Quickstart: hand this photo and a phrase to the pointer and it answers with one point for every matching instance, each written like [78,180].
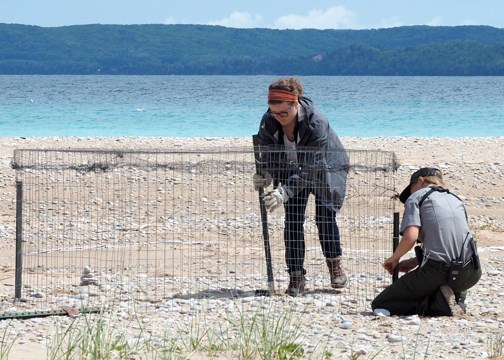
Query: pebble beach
[473,168]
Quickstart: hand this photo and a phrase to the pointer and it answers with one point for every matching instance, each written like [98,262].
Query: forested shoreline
[217,50]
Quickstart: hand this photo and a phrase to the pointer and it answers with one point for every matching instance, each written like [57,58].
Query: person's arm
[407,242]
[408,265]
[269,159]
[267,128]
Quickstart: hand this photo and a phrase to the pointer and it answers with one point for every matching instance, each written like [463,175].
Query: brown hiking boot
[296,284]
[338,277]
[455,308]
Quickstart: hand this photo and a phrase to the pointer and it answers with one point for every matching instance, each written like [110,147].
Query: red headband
[281,95]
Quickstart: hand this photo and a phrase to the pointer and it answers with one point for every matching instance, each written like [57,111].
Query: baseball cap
[423,172]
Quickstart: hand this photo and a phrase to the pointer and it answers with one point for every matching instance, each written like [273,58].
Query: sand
[473,168]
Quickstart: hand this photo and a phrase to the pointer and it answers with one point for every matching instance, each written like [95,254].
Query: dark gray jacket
[322,162]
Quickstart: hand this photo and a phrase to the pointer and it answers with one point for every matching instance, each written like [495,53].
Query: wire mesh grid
[137,227]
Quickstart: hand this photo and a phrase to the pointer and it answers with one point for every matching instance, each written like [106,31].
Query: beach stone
[413,320]
[392,338]
[87,277]
[381,312]
[345,324]
[88,280]
[37,295]
[79,296]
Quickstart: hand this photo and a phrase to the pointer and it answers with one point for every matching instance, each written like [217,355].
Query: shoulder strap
[436,188]
[432,189]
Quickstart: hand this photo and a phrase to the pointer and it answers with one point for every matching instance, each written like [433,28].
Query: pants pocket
[468,280]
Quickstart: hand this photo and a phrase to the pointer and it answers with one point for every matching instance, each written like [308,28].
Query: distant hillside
[201,49]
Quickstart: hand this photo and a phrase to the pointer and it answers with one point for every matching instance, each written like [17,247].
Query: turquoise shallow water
[231,106]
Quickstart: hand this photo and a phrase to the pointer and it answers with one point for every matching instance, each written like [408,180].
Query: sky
[273,14]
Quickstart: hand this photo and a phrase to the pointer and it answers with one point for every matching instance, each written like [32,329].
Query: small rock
[37,295]
[381,312]
[345,324]
[392,338]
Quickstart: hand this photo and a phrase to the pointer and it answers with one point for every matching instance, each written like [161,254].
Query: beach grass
[264,334]
[495,345]
[7,340]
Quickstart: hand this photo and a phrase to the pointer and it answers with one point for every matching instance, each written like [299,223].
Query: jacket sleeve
[264,134]
[271,158]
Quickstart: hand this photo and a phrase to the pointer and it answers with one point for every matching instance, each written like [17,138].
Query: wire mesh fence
[128,227]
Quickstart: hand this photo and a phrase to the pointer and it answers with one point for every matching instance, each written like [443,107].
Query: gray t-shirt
[443,225]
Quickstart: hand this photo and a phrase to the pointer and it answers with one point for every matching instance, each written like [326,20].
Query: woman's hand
[390,264]
[407,242]
[274,199]
[263,179]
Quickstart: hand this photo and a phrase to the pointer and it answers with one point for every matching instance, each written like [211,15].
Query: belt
[438,265]
[444,267]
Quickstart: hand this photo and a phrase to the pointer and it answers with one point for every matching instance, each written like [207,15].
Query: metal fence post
[264,222]
[395,276]
[19,240]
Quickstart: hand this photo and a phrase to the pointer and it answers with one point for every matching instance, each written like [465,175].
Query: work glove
[275,198]
[263,179]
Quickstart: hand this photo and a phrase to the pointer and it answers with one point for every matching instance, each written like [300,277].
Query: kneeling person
[448,264]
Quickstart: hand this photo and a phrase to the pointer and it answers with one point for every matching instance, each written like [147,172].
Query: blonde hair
[434,180]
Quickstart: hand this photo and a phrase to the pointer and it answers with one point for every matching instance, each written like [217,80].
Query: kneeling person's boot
[338,276]
[456,308]
[296,284]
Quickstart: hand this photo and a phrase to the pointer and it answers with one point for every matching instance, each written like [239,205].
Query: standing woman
[447,263]
[291,124]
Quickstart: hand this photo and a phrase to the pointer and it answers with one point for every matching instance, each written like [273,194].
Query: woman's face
[285,112]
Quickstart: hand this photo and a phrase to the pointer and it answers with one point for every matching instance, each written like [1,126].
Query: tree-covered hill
[202,49]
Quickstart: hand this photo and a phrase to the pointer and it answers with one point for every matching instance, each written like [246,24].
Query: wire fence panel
[138,228]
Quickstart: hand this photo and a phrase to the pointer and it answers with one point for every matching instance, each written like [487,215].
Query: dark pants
[417,292]
[328,231]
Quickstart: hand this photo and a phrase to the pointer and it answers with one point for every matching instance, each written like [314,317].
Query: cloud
[335,17]
[436,21]
[239,20]
[170,21]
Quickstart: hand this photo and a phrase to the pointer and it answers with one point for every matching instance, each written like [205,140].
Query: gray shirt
[444,229]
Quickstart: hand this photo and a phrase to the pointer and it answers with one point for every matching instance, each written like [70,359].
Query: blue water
[232,106]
